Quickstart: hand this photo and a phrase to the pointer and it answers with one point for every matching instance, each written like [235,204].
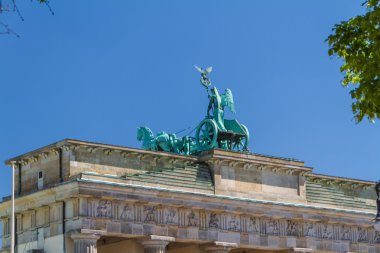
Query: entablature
[91,147]
[255,162]
[219,203]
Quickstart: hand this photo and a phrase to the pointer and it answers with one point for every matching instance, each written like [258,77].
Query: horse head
[144,134]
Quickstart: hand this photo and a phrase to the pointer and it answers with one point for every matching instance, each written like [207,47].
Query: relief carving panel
[362,235]
[213,221]
[292,228]
[345,233]
[273,227]
[104,209]
[126,213]
[254,225]
[376,238]
[233,222]
[149,214]
[326,231]
[171,216]
[310,229]
[192,218]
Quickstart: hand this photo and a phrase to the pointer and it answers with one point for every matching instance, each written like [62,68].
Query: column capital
[85,243]
[155,243]
[220,247]
[301,250]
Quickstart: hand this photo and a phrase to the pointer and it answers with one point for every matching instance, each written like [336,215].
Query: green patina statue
[164,142]
[217,104]
[212,132]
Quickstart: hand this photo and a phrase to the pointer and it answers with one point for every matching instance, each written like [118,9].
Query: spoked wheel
[242,143]
[207,134]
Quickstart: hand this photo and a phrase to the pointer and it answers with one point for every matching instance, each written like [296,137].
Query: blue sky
[96,71]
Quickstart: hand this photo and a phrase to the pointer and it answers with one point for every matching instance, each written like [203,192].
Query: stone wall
[47,164]
[42,226]
[258,183]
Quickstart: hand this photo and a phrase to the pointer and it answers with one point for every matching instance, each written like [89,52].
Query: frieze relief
[376,238]
[292,228]
[192,219]
[126,213]
[345,233]
[104,209]
[362,234]
[254,225]
[273,227]
[309,229]
[326,231]
[213,221]
[149,214]
[233,222]
[171,216]
[186,217]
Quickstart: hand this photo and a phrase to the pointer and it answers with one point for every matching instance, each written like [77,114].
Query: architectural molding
[85,242]
[155,243]
[220,247]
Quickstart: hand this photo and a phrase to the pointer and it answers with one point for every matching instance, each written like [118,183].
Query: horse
[159,143]
[164,142]
[145,135]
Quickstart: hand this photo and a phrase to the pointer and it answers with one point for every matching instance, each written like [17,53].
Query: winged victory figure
[217,104]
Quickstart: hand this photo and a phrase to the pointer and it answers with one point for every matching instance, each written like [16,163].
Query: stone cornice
[246,160]
[91,147]
[253,161]
[341,181]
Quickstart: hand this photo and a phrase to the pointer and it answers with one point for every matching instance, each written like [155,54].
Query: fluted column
[220,247]
[85,243]
[156,244]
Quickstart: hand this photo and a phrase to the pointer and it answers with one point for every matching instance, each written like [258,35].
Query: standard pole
[13,210]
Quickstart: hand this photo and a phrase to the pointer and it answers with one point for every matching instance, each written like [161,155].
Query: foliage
[357,43]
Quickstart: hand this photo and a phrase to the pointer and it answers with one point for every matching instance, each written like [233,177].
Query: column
[220,247]
[155,243]
[85,243]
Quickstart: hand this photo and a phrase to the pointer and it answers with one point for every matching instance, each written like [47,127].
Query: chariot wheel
[242,143]
[207,134]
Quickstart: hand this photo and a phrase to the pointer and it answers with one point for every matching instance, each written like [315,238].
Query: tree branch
[7,30]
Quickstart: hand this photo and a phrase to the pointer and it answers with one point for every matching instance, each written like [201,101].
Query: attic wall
[258,184]
[49,166]
[111,162]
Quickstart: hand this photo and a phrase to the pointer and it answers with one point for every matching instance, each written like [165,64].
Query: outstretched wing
[208,70]
[228,100]
[198,68]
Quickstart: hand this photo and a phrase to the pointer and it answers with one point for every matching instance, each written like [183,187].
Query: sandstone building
[81,197]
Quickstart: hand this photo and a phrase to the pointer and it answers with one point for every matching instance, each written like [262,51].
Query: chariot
[234,137]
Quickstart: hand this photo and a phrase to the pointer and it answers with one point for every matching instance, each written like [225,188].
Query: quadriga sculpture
[212,132]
